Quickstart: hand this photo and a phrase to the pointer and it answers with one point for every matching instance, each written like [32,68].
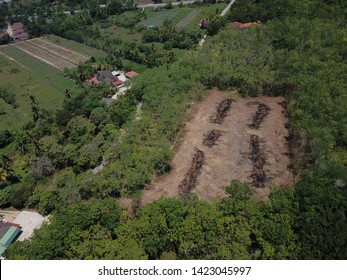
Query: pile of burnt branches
[258,117]
[222,110]
[258,173]
[211,138]
[189,181]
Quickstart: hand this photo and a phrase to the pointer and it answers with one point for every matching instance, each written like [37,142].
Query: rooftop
[131,74]
[8,233]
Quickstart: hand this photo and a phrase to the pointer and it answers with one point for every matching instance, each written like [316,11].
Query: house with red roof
[94,80]
[117,83]
[16,31]
[131,74]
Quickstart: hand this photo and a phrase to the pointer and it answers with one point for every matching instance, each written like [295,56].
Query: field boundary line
[36,56]
[188,18]
[73,51]
[31,42]
[12,59]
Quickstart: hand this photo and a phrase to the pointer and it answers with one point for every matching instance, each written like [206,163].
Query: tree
[42,167]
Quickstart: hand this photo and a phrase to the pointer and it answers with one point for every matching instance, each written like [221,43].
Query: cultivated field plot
[64,53]
[25,75]
[158,18]
[188,18]
[51,54]
[74,46]
[222,144]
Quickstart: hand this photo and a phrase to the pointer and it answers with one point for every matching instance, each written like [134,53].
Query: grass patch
[46,83]
[125,34]
[133,66]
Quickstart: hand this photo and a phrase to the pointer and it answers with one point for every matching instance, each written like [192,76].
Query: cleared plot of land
[231,157]
[59,51]
[75,46]
[188,18]
[44,56]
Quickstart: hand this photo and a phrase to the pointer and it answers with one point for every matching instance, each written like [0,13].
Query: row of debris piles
[211,138]
[258,174]
[189,181]
[222,110]
[260,114]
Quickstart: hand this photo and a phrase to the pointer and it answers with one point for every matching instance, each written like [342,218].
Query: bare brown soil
[44,55]
[59,51]
[231,157]
[9,215]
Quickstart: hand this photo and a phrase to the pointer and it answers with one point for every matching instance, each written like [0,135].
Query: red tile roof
[131,74]
[117,83]
[21,36]
[93,80]
[17,24]
[17,31]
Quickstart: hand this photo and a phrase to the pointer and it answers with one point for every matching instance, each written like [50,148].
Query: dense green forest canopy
[299,52]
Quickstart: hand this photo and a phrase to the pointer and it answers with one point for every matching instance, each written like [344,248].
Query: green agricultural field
[125,34]
[75,46]
[157,18]
[26,76]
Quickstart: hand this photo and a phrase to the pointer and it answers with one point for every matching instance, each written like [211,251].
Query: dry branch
[211,138]
[189,181]
[222,110]
[260,114]
[258,173]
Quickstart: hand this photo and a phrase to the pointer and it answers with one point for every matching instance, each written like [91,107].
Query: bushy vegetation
[296,52]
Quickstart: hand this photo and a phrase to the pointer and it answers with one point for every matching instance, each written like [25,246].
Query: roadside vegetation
[296,52]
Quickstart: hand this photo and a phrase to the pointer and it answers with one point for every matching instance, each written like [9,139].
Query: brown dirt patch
[59,51]
[9,215]
[44,55]
[231,157]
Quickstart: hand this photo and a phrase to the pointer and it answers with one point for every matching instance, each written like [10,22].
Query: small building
[8,233]
[106,77]
[117,83]
[131,74]
[16,31]
[94,80]
[21,36]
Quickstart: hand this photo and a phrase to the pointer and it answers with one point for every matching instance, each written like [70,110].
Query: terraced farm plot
[188,18]
[74,46]
[59,51]
[208,169]
[44,55]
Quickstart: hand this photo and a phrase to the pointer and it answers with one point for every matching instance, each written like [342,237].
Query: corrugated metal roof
[9,236]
